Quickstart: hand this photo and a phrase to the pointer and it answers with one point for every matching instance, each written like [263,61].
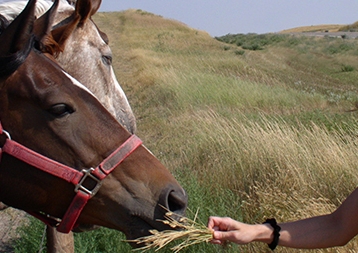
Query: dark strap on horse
[71,175]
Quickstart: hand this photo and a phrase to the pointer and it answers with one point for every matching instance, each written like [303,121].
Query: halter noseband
[70,175]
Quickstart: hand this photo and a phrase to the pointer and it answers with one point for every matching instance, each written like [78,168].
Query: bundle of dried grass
[190,231]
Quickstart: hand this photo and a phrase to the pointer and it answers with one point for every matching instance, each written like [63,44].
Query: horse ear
[18,35]
[95,6]
[43,24]
[87,8]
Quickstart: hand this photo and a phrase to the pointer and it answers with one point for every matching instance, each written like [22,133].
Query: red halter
[69,174]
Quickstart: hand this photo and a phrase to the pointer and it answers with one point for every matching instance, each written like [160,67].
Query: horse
[49,104]
[82,44]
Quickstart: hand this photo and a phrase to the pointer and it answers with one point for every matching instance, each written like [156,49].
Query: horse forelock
[50,46]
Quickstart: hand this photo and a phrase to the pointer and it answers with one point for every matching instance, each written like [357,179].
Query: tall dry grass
[278,170]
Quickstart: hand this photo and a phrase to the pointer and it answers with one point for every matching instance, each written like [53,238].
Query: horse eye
[60,110]
[107,59]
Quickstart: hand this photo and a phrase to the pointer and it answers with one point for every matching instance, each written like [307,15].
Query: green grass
[264,133]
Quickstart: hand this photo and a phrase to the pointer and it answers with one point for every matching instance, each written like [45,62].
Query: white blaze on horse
[43,110]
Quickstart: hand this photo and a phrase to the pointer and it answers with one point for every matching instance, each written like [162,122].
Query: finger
[212,221]
[214,241]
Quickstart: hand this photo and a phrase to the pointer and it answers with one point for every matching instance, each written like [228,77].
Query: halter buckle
[88,173]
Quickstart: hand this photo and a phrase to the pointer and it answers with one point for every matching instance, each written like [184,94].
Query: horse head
[85,49]
[47,112]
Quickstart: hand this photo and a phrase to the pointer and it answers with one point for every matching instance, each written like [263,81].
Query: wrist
[264,233]
[276,233]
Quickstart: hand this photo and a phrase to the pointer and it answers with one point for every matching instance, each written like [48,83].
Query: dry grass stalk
[190,231]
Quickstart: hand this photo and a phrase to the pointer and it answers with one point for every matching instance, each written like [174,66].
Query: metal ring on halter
[7,134]
[88,174]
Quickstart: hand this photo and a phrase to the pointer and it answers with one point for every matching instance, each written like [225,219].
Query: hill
[352,27]
[323,28]
[314,28]
[147,47]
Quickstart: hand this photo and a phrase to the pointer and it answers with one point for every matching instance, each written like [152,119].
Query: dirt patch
[10,220]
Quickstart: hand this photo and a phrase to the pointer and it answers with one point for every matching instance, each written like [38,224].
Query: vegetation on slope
[351,28]
[249,133]
[314,28]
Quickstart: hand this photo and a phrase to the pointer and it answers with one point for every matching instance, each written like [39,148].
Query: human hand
[227,229]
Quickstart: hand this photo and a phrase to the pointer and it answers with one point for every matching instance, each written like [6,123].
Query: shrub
[239,52]
[252,47]
[347,68]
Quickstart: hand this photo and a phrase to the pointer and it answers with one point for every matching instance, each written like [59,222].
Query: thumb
[217,238]
[225,236]
[219,235]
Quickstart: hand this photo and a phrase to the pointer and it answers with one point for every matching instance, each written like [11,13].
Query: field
[253,126]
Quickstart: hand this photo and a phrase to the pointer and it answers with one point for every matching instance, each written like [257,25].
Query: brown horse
[46,110]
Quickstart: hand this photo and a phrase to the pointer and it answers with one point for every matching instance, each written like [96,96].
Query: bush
[253,41]
[239,52]
[347,68]
[252,47]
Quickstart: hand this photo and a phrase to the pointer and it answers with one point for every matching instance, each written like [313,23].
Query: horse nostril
[175,200]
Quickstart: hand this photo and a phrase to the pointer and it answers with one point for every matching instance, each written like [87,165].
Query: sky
[250,16]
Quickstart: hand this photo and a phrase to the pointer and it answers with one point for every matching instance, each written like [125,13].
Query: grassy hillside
[253,126]
[352,27]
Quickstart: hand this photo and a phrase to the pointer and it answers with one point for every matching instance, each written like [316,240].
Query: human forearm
[335,229]
[311,233]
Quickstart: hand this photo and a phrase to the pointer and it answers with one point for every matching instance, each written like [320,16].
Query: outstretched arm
[324,231]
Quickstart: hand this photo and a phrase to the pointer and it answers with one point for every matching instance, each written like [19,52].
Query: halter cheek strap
[70,175]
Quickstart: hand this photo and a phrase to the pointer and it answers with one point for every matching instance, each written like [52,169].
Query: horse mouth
[143,227]
[142,222]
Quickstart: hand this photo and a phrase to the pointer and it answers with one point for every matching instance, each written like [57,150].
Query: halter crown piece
[77,178]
